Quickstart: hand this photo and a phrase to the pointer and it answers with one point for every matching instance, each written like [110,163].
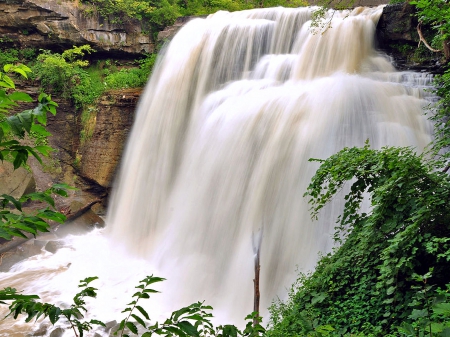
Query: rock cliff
[55,24]
[111,123]
[398,37]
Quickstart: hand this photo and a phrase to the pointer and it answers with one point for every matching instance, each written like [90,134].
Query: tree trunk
[256,240]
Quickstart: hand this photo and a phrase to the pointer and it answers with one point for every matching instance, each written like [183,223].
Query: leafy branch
[27,305]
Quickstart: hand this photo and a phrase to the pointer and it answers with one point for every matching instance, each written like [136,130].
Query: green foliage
[365,286]
[431,310]
[65,75]
[161,13]
[127,78]
[8,56]
[27,305]
[158,14]
[131,77]
[13,129]
[193,320]
[437,14]
[441,118]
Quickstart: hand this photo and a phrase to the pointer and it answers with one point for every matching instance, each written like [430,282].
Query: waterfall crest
[236,106]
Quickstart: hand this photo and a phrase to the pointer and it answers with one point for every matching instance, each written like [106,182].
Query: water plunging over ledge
[235,107]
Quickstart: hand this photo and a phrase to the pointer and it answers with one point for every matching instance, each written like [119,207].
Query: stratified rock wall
[101,151]
[63,24]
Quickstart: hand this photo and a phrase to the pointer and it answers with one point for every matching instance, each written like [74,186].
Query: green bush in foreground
[14,128]
[193,320]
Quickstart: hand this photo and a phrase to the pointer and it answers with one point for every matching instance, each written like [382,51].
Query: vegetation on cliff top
[161,13]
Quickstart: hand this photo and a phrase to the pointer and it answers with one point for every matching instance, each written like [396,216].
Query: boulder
[58,332]
[53,246]
[15,182]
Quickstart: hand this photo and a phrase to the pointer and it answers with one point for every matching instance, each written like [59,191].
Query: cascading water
[223,133]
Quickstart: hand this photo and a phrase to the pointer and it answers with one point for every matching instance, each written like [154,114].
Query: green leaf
[442,309]
[40,130]
[20,71]
[17,204]
[51,215]
[39,196]
[415,314]
[7,67]
[143,312]
[178,313]
[188,328]
[96,322]
[20,158]
[18,96]
[26,118]
[5,234]
[6,82]
[35,155]
[390,290]
[16,125]
[44,150]
[24,228]
[132,327]
[54,314]
[229,331]
[139,320]
[174,330]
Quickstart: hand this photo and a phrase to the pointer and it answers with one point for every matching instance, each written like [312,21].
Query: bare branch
[422,39]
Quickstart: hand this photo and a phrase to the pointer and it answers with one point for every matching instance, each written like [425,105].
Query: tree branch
[422,39]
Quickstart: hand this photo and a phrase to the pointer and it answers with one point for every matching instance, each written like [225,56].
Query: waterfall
[237,104]
[224,130]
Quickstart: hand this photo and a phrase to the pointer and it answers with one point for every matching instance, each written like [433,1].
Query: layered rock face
[63,24]
[111,123]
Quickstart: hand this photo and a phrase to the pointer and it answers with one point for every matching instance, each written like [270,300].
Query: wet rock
[109,325]
[53,246]
[58,332]
[42,330]
[17,254]
[15,182]
[80,225]
[117,326]
[40,243]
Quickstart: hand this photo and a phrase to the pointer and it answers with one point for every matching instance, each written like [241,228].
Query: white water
[220,149]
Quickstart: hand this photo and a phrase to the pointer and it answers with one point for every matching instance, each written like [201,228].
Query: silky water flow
[237,104]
